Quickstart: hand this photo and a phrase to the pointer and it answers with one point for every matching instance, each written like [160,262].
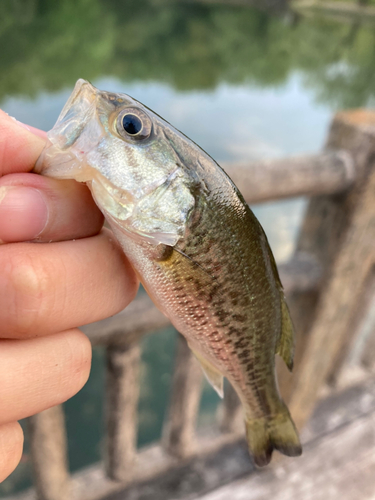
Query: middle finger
[47,288]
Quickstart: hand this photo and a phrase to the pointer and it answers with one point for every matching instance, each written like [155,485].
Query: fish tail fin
[267,434]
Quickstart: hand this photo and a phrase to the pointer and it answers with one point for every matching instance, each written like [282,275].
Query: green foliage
[344,73]
[48,45]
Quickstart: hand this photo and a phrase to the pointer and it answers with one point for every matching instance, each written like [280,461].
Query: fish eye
[134,123]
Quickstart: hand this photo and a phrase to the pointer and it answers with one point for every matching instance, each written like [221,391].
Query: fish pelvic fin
[212,374]
[286,343]
[267,434]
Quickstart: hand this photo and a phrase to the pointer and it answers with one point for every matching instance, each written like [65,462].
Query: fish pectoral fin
[212,374]
[286,344]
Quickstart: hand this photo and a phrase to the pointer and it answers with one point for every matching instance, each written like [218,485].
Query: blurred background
[245,80]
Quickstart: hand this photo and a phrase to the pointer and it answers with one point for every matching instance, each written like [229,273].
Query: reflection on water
[187,45]
[241,83]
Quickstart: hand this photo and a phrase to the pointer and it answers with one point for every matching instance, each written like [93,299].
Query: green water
[243,84]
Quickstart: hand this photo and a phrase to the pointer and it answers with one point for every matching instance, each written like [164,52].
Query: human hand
[74,275]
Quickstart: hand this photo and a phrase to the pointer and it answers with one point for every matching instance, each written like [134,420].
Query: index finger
[19,147]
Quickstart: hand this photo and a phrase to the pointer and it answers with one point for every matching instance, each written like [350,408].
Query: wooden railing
[328,282]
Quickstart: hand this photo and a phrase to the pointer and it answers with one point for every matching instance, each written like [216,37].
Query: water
[243,84]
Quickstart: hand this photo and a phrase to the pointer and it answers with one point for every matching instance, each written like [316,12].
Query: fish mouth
[61,157]
[83,90]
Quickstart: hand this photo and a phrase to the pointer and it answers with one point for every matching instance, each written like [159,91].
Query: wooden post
[357,343]
[339,230]
[122,403]
[368,352]
[49,454]
[179,430]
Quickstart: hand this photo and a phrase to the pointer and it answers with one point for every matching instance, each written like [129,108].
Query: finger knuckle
[28,291]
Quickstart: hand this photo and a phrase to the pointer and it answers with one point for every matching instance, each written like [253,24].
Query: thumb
[20,145]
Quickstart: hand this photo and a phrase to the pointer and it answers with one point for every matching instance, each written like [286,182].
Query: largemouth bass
[198,249]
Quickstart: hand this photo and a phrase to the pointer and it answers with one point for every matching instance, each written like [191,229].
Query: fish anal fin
[212,374]
[286,344]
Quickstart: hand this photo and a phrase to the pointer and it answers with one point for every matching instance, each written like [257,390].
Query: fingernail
[23,213]
[23,125]
[31,129]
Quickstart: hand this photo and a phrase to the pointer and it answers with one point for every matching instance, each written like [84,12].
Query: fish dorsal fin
[212,374]
[286,344]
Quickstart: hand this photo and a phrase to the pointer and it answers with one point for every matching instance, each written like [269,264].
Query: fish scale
[195,244]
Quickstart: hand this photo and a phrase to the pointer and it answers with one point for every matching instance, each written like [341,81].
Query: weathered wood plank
[157,468]
[340,466]
[179,430]
[49,454]
[159,476]
[340,409]
[341,233]
[325,173]
[121,413]
[139,318]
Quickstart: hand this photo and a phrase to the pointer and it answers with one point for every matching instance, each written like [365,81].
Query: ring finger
[47,288]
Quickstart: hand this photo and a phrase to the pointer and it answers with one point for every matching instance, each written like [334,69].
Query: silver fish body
[195,244]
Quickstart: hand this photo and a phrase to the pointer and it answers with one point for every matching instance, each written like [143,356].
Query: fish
[195,244]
